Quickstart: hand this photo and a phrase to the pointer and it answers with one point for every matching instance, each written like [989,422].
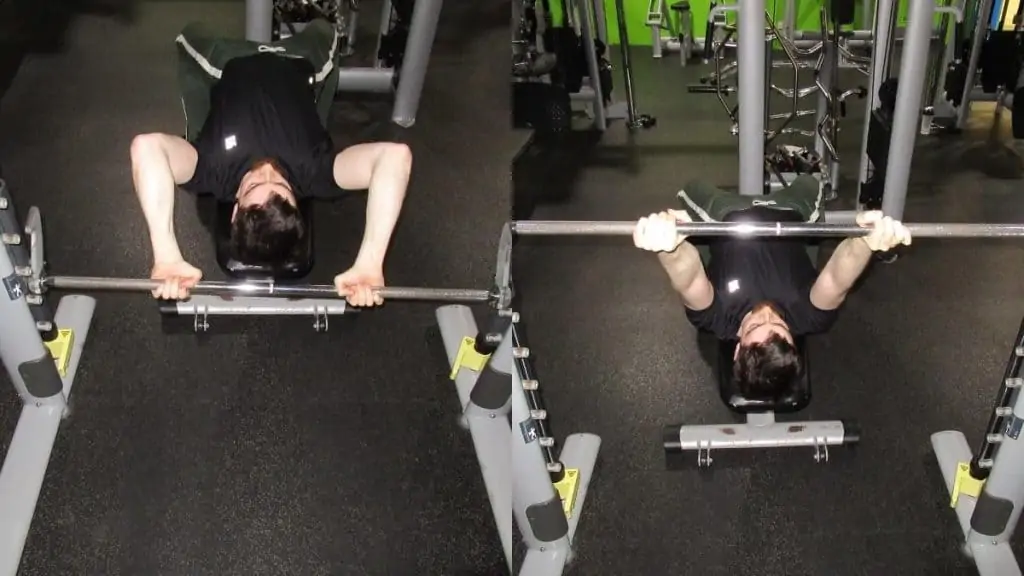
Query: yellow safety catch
[468,358]
[60,350]
[964,483]
[567,489]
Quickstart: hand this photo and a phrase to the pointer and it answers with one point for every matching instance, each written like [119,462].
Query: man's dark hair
[764,370]
[269,234]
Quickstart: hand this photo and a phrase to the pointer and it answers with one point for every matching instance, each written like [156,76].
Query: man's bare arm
[686,273]
[852,256]
[159,163]
[841,272]
[383,168]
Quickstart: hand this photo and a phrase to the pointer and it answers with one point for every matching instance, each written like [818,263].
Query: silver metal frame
[909,97]
[44,392]
[377,79]
[547,531]
[489,426]
[758,432]
[991,552]
[201,306]
[750,57]
[988,516]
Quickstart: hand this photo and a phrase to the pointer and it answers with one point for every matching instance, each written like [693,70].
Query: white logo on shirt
[265,48]
[230,142]
[733,286]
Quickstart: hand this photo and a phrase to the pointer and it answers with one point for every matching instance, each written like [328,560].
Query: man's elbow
[397,156]
[826,294]
[698,294]
[146,148]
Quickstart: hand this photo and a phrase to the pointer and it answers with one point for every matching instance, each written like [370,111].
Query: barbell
[266,288]
[763,229]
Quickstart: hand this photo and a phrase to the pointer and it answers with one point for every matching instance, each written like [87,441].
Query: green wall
[640,34]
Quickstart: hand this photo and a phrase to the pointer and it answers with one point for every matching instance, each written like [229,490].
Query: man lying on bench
[761,293]
[261,149]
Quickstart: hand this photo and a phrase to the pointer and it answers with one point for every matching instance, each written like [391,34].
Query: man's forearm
[388,183]
[154,186]
[847,263]
[683,266]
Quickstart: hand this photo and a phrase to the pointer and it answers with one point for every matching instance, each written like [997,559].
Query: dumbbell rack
[549,487]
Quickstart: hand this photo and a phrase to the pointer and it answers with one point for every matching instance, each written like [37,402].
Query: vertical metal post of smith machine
[881,58]
[259,20]
[828,74]
[906,120]
[750,56]
[974,57]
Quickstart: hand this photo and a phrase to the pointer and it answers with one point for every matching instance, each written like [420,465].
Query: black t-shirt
[748,271]
[264,107]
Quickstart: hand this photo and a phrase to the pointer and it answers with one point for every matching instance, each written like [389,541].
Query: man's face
[260,184]
[759,324]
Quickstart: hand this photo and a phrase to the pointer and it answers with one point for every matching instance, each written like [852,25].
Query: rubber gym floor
[920,347]
[263,448]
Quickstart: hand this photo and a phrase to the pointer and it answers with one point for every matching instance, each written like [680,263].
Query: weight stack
[541,106]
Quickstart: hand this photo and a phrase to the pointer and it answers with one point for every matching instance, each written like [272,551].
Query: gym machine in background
[982,64]
[881,105]
[560,71]
[987,488]
[850,38]
[754,68]
[677,20]
[291,16]
[895,109]
[671,26]
[672,31]
[41,352]
[404,42]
